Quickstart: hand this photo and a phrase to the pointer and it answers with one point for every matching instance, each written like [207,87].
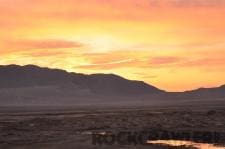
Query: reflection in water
[186,143]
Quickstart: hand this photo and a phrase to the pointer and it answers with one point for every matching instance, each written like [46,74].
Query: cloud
[162,60]
[127,59]
[108,57]
[145,75]
[196,3]
[201,63]
[110,65]
[204,62]
[113,60]
[41,44]
[149,60]
[46,53]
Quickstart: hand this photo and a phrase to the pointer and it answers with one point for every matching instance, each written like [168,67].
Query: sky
[175,45]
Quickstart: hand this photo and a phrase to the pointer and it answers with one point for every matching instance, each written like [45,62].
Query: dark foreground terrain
[72,128]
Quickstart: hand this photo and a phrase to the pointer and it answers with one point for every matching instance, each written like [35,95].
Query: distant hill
[207,92]
[14,76]
[201,94]
[33,85]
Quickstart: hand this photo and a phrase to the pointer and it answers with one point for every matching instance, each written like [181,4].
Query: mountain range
[32,84]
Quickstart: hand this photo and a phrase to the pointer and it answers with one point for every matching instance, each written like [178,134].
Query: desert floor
[72,127]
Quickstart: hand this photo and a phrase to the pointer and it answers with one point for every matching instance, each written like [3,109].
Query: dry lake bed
[110,128]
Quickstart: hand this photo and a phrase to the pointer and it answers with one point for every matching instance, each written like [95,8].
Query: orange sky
[174,45]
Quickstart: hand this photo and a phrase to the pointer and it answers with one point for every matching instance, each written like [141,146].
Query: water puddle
[177,143]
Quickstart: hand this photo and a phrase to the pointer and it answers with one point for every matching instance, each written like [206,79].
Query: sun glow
[101,43]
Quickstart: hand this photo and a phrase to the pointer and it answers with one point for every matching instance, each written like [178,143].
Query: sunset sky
[175,45]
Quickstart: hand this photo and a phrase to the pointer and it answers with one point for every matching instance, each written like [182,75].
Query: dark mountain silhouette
[33,85]
[14,76]
[207,92]
[219,89]
[199,94]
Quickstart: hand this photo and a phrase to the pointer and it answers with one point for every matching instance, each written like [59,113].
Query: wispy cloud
[42,44]
[164,60]
[197,3]
[46,53]
[110,65]
[145,60]
[203,62]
